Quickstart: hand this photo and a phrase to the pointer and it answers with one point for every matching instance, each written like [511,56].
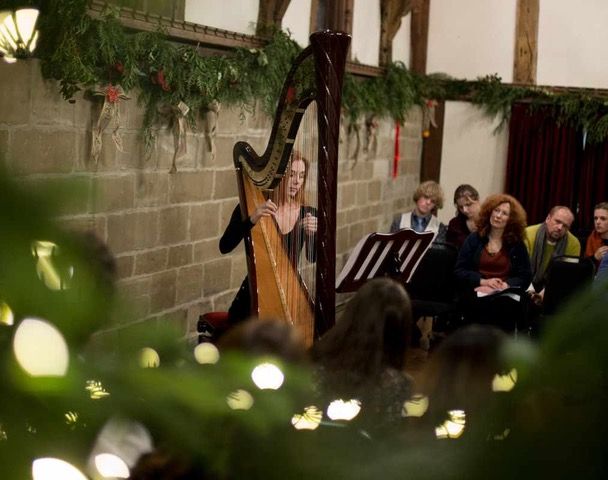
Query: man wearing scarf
[546,241]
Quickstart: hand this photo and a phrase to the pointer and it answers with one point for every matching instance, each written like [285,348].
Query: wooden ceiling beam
[270,14]
[391,13]
[526,42]
[419,35]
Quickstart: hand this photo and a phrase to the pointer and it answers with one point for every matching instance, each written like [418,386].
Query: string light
[267,376]
[506,382]
[45,252]
[341,410]
[96,389]
[415,406]
[111,466]
[71,418]
[453,427]
[309,420]
[6,315]
[149,358]
[40,348]
[240,400]
[206,353]
[54,468]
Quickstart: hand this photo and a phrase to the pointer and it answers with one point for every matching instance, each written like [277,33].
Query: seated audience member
[597,243]
[363,355]
[493,259]
[428,198]
[546,241]
[459,376]
[466,200]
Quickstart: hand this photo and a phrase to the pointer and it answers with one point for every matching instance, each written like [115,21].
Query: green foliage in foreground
[556,414]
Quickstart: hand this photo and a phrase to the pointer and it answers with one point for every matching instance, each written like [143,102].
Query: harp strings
[292,217]
[309,151]
[289,223]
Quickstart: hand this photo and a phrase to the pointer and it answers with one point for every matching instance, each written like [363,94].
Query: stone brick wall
[164,228]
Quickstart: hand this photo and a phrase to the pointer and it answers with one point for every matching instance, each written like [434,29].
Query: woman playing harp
[278,225]
[296,221]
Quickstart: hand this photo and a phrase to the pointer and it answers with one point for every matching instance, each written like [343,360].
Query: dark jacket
[467,265]
[457,230]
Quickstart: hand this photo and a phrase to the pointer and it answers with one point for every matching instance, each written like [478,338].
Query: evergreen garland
[81,52]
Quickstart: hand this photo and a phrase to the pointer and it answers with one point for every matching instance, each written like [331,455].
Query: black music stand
[395,255]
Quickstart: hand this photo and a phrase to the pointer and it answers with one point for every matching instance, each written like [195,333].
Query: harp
[281,286]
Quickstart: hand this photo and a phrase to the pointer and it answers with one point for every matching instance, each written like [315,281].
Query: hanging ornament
[428,117]
[371,134]
[353,135]
[157,77]
[177,114]
[210,125]
[110,114]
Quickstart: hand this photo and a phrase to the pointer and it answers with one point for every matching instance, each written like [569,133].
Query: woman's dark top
[467,266]
[457,230]
[495,265]
[236,230]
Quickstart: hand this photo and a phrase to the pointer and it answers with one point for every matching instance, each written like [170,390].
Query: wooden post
[270,13]
[340,15]
[526,42]
[391,13]
[419,35]
[430,164]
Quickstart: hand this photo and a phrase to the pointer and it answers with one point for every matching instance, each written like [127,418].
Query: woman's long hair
[514,231]
[459,374]
[280,194]
[372,334]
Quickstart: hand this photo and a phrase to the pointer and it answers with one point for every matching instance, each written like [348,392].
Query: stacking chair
[565,276]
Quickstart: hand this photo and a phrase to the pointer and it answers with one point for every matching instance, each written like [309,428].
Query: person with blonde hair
[428,198]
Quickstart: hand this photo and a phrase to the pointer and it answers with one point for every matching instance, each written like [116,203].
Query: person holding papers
[492,260]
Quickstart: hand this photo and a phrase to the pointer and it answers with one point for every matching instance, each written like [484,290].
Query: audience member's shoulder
[573,239]
[454,221]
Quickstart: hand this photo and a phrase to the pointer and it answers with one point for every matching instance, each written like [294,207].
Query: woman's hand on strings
[309,224]
[266,209]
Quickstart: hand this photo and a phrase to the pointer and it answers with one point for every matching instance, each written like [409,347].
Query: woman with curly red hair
[494,257]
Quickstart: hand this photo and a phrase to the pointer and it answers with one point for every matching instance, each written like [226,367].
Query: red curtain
[542,161]
[592,183]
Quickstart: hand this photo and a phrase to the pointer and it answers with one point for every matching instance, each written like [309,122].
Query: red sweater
[593,243]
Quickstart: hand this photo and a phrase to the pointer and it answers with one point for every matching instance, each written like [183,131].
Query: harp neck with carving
[277,288]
